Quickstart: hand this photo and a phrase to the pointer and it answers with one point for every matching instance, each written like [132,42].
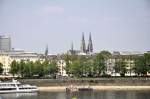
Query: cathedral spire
[90,45]
[83,46]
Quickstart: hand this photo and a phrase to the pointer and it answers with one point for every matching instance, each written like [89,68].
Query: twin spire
[83,48]
[89,46]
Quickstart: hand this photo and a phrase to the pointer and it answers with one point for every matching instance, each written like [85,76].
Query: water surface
[80,95]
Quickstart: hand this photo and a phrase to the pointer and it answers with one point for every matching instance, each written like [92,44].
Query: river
[80,95]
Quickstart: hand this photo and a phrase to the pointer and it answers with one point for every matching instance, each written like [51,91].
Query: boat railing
[7,87]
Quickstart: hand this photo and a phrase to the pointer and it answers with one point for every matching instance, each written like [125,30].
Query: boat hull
[18,91]
[85,89]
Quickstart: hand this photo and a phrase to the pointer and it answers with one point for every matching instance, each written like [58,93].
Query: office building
[5,43]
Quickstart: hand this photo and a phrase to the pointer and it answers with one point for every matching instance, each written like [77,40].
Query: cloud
[51,9]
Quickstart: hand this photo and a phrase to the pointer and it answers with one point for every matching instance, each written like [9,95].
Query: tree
[120,67]
[53,68]
[67,59]
[147,61]
[31,67]
[83,66]
[140,67]
[89,67]
[45,65]
[1,68]
[28,69]
[105,54]
[38,69]
[22,68]
[14,67]
[117,67]
[99,65]
[75,68]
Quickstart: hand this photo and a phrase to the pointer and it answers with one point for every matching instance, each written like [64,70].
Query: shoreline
[100,88]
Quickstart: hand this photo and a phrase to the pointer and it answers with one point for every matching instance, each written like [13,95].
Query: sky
[115,25]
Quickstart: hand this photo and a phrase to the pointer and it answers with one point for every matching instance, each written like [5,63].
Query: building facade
[61,65]
[127,57]
[5,43]
[6,58]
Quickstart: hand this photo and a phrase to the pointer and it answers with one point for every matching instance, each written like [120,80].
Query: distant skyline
[115,25]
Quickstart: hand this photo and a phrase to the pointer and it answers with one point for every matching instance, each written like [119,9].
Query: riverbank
[89,81]
[63,88]
[137,83]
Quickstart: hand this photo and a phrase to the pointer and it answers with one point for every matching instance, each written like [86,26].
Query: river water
[80,95]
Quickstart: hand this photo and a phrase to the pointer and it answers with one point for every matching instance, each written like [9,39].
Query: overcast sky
[122,25]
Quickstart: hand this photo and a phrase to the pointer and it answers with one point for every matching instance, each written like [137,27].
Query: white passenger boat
[16,87]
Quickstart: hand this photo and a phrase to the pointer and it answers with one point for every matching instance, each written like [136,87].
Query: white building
[62,65]
[6,58]
[110,63]
[5,43]
[127,57]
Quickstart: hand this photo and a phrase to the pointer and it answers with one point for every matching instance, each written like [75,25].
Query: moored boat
[85,89]
[15,86]
[74,88]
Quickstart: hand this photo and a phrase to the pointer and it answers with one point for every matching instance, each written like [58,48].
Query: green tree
[147,61]
[28,69]
[105,54]
[1,68]
[99,65]
[140,67]
[38,69]
[120,67]
[53,68]
[22,68]
[117,67]
[67,59]
[31,71]
[45,65]
[82,66]
[89,67]
[14,67]
[75,68]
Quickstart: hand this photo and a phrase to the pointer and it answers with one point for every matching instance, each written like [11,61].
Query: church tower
[72,49]
[83,46]
[90,45]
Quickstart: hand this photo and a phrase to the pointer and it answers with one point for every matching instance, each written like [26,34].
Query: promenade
[63,88]
[120,81]
[131,83]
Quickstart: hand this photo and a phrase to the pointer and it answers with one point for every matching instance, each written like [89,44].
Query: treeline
[27,69]
[95,66]
[87,66]
[83,66]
